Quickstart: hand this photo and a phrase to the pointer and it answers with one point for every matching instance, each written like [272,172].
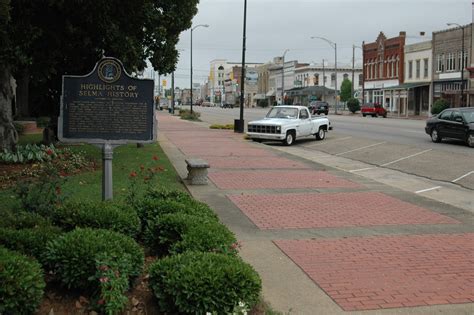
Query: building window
[450,62]
[361,79]
[440,63]
[461,64]
[418,65]
[333,79]
[396,67]
[316,79]
[425,67]
[410,69]
[346,76]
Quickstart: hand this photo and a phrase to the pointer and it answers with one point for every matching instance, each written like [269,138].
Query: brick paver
[274,179]
[313,210]
[361,273]
[254,162]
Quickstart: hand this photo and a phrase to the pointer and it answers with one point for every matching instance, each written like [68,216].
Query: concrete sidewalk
[326,241]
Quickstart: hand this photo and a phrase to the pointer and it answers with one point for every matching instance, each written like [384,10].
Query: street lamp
[191,87]
[462,61]
[333,45]
[283,76]
[239,123]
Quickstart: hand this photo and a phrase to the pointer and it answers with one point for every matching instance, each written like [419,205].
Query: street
[398,144]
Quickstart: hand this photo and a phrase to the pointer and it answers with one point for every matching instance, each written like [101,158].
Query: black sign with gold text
[107,105]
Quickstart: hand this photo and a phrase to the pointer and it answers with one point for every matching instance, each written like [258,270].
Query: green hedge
[21,283]
[31,241]
[22,219]
[196,283]
[97,214]
[72,257]
[179,232]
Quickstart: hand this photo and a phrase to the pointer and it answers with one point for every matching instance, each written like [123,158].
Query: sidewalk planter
[196,283]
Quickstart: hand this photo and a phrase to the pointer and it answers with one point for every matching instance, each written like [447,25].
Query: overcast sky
[276,25]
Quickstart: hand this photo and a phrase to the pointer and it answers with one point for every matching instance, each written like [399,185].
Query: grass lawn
[127,158]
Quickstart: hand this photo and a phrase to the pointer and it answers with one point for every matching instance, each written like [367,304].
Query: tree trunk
[22,93]
[8,133]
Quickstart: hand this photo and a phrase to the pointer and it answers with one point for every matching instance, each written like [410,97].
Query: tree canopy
[46,39]
[346,90]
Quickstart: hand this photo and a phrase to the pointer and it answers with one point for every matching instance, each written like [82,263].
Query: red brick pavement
[278,179]
[313,210]
[254,162]
[362,273]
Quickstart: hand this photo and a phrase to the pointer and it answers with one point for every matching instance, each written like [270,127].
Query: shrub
[166,194]
[262,103]
[30,241]
[186,114]
[217,126]
[22,283]
[22,220]
[97,214]
[196,283]
[43,121]
[72,257]
[353,105]
[179,232]
[149,209]
[439,105]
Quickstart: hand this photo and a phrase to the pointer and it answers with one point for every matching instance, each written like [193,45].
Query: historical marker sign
[107,106]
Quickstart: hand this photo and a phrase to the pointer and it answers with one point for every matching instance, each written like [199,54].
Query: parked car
[288,123]
[319,107]
[455,123]
[373,110]
[208,104]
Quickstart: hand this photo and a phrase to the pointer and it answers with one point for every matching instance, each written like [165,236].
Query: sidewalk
[326,241]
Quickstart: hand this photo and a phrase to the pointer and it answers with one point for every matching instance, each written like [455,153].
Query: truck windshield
[283,112]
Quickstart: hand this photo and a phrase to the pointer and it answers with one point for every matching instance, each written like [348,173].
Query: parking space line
[325,142]
[428,189]
[362,169]
[406,157]
[461,177]
[361,148]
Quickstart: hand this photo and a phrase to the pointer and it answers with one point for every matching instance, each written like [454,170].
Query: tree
[346,90]
[68,37]
[353,105]
[8,134]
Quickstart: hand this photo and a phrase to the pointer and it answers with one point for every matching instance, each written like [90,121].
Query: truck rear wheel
[321,134]
[289,139]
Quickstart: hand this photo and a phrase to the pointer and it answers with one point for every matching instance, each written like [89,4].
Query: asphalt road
[399,144]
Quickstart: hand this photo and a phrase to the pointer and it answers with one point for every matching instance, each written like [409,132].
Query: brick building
[383,67]
[450,76]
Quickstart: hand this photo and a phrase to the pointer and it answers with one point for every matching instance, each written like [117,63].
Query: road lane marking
[327,141]
[406,157]
[459,178]
[428,189]
[362,169]
[361,148]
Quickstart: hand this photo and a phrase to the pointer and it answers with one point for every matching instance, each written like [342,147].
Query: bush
[97,214]
[167,194]
[439,105]
[22,220]
[180,232]
[149,209]
[186,114]
[22,283]
[30,241]
[72,257]
[43,121]
[196,283]
[29,153]
[262,103]
[353,105]
[227,127]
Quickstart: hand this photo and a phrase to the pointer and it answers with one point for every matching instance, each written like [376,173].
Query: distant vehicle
[455,123]
[208,104]
[199,102]
[226,105]
[319,107]
[288,123]
[373,110]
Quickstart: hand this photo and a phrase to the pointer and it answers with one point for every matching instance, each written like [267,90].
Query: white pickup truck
[288,123]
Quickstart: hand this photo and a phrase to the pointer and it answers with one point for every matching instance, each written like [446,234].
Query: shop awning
[407,86]
[260,97]
[271,93]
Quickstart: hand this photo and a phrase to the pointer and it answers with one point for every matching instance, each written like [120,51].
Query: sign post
[107,108]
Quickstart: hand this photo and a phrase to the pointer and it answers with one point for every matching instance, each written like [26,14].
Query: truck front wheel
[289,139]
[321,134]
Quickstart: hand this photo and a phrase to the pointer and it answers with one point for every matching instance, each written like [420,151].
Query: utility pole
[324,82]
[239,123]
[352,83]
[172,92]
[283,76]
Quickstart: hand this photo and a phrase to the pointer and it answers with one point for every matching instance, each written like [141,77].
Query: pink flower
[49,152]
[155,158]
[104,279]
[133,174]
